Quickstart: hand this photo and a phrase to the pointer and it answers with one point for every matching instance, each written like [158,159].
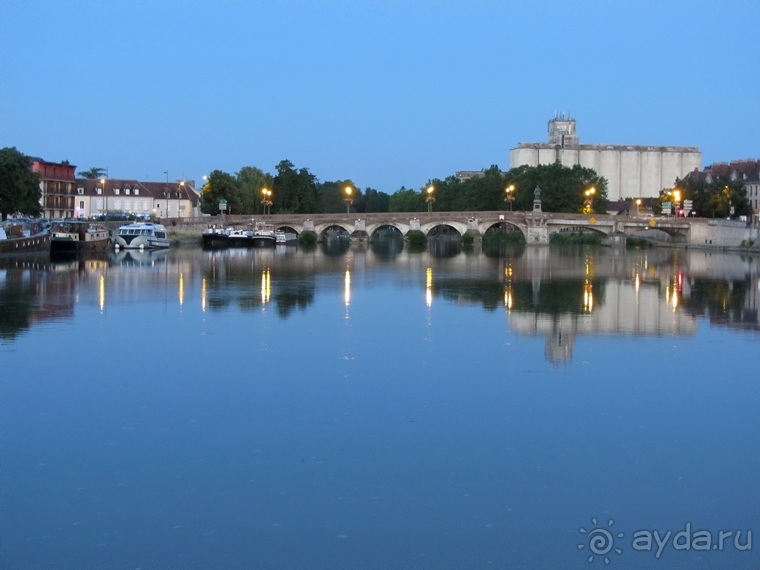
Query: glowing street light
[430,198]
[349,198]
[180,193]
[266,200]
[509,195]
[589,199]
[105,198]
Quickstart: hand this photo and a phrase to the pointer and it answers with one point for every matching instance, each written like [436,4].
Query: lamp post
[266,201]
[638,206]
[508,196]
[105,199]
[430,198]
[348,199]
[180,193]
[587,209]
[166,194]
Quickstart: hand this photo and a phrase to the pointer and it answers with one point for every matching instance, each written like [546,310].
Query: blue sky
[388,94]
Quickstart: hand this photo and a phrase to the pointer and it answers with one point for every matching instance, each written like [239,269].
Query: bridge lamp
[266,200]
[430,198]
[638,206]
[508,195]
[105,199]
[348,199]
[589,198]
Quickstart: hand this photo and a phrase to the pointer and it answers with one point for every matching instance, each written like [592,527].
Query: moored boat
[75,236]
[24,236]
[215,237]
[240,238]
[142,235]
[285,238]
[263,235]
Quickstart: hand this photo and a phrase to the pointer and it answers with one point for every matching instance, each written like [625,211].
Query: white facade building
[631,171]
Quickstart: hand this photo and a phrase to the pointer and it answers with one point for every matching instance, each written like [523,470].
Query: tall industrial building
[631,171]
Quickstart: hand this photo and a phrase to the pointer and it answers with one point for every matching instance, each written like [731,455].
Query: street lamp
[348,199]
[266,201]
[166,194]
[180,193]
[638,206]
[509,197]
[589,198]
[676,200]
[430,198]
[105,199]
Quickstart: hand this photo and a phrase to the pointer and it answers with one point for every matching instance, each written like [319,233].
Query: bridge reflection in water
[558,293]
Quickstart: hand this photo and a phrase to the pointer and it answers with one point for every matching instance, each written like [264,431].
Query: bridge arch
[501,226]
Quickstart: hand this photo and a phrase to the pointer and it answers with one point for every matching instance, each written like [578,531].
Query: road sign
[688,206]
[222,205]
[666,208]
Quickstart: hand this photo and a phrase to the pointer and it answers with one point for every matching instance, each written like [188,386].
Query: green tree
[406,200]
[19,186]
[332,196]
[563,189]
[375,201]
[221,186]
[484,192]
[94,172]
[295,191]
[251,181]
[713,199]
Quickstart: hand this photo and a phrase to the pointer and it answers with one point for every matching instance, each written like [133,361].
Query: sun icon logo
[600,541]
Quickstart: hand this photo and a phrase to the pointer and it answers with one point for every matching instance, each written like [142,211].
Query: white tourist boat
[141,235]
[285,238]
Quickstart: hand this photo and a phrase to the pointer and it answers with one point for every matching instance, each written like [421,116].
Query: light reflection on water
[367,406]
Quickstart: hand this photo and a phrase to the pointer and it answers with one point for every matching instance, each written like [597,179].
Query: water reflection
[560,294]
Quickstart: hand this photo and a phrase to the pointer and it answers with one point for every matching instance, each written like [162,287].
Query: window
[126,191]
[80,191]
[116,191]
[137,191]
[98,190]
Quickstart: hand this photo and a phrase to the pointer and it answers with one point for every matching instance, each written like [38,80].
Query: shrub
[307,238]
[416,237]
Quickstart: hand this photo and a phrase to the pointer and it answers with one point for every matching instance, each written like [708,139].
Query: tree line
[296,190]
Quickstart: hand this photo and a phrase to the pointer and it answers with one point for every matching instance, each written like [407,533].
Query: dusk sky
[385,93]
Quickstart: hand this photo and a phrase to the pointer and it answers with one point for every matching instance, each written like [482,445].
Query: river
[367,406]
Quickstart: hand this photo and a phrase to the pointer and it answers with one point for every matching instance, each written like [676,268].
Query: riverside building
[632,171]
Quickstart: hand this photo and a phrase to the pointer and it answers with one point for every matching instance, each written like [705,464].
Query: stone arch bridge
[537,227]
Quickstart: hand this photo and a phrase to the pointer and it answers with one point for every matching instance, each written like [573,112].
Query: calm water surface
[372,407]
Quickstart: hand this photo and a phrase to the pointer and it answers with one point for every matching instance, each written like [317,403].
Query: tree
[220,186]
[332,196]
[406,200]
[94,172]
[295,191]
[19,186]
[251,181]
[563,189]
[715,198]
[375,201]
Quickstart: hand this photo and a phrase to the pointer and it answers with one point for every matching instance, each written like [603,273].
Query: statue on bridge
[537,200]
